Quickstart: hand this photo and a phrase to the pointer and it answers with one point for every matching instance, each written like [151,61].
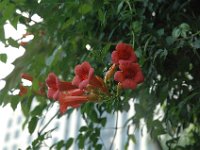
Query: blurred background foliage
[166,39]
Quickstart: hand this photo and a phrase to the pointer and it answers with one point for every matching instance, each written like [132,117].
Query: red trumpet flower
[84,76]
[55,86]
[123,52]
[130,75]
[74,98]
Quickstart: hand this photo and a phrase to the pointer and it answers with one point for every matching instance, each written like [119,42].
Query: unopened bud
[93,97]
[110,73]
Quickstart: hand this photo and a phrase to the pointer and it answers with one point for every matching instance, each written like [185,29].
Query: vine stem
[115,132]
[103,142]
[48,122]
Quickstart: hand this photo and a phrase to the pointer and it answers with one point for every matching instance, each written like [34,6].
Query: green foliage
[69,143]
[32,124]
[166,39]
[62,144]
[3,58]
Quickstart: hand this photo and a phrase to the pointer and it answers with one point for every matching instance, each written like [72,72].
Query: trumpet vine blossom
[129,75]
[55,86]
[86,86]
[84,76]
[123,52]
[74,98]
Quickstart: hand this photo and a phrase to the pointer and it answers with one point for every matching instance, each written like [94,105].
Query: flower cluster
[86,86]
[129,73]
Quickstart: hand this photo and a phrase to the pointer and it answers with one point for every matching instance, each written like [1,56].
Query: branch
[48,122]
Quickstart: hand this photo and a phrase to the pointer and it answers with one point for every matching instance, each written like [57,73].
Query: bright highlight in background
[12,52]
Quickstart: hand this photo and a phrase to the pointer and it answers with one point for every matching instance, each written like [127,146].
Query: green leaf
[190,96]
[88,108]
[32,124]
[85,8]
[26,104]
[13,42]
[81,141]
[83,128]
[120,6]
[176,33]
[3,58]
[139,54]
[161,53]
[14,101]
[98,147]
[137,26]
[69,22]
[94,116]
[35,85]
[8,11]
[158,128]
[132,138]
[20,1]
[163,93]
[170,40]
[14,22]
[196,44]
[54,57]
[184,27]
[37,142]
[37,111]
[59,145]
[126,106]
[2,37]
[101,16]
[161,32]
[140,112]
[103,121]
[69,143]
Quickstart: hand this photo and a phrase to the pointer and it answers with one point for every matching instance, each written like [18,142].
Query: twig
[48,122]
[103,142]
[114,133]
[113,128]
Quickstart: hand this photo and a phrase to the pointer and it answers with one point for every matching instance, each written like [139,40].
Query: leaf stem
[103,142]
[48,122]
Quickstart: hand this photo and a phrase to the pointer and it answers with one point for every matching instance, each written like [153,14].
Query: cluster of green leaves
[166,38]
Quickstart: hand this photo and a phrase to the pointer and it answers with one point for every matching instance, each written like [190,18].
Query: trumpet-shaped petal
[129,76]
[128,83]
[55,86]
[52,84]
[75,92]
[74,100]
[63,85]
[123,52]
[83,74]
